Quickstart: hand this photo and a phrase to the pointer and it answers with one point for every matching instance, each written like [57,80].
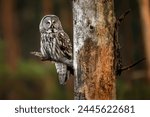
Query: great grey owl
[55,44]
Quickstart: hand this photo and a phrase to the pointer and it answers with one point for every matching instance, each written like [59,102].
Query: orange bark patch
[98,80]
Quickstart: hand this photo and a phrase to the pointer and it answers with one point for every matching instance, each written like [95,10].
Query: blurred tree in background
[25,77]
[21,75]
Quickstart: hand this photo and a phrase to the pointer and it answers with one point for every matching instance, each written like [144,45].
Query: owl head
[50,23]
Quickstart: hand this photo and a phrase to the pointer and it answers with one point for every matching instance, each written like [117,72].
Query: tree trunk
[145,18]
[94,58]
[12,49]
[47,7]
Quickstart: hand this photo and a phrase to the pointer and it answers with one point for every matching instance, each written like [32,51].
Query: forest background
[23,76]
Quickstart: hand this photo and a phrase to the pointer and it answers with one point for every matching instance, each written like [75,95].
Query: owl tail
[62,72]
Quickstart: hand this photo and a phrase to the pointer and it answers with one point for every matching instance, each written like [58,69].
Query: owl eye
[53,21]
[48,23]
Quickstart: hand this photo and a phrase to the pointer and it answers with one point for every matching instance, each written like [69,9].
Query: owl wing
[65,44]
[62,72]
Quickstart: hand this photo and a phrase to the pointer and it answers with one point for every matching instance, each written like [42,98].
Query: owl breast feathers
[55,44]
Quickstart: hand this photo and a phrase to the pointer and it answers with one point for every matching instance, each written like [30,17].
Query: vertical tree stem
[94,61]
[145,18]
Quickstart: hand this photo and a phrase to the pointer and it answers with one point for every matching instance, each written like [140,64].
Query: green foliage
[1,51]
[32,80]
[32,68]
[133,89]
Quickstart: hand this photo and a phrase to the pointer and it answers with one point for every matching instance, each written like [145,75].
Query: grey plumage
[55,44]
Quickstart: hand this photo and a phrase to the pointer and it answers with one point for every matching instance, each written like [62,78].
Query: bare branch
[61,60]
[132,65]
[122,17]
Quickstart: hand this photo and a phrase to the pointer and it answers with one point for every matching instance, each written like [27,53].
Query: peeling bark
[94,58]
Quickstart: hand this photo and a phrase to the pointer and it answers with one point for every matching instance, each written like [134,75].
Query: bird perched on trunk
[55,45]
